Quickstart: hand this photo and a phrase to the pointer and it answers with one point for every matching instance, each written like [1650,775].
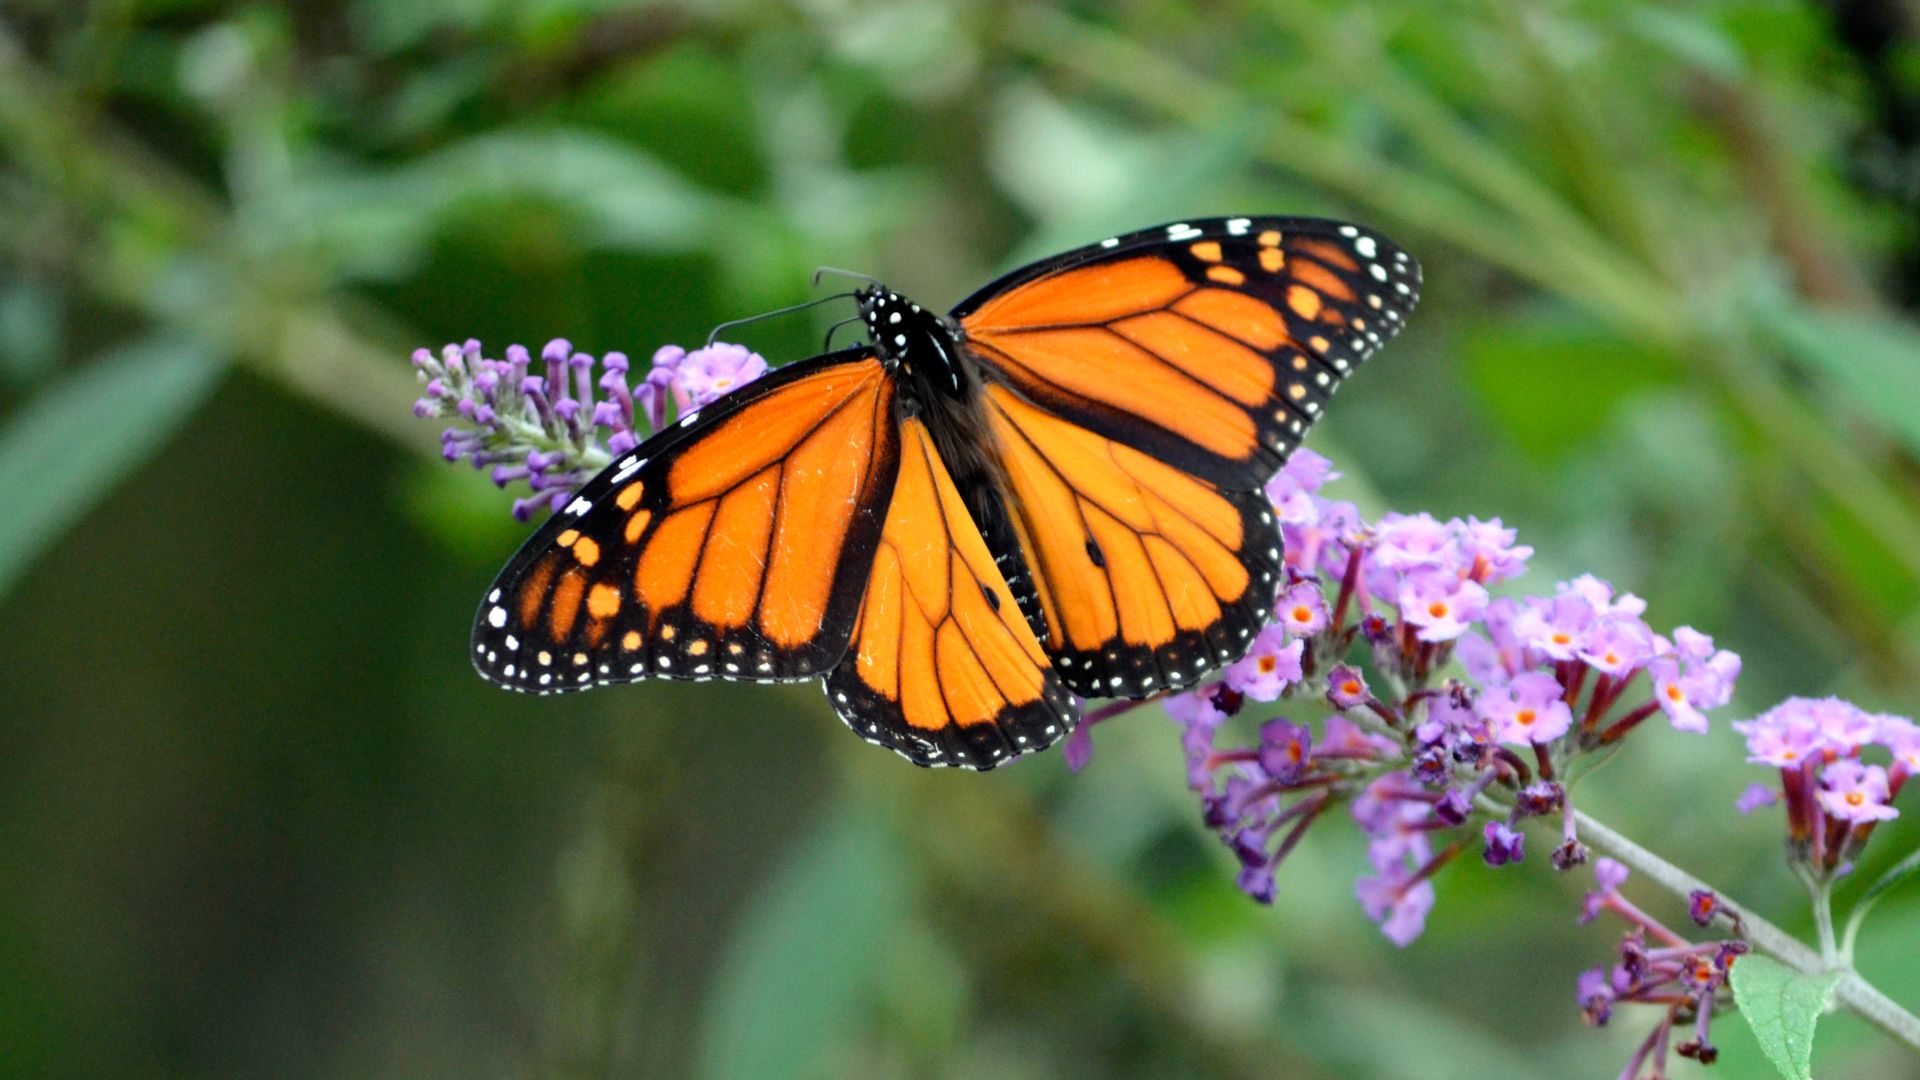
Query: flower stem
[1854,992]
[1821,892]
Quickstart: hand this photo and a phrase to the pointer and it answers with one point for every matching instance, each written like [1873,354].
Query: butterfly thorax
[940,386]
[920,347]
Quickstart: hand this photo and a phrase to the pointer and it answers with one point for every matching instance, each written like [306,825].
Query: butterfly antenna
[776,311]
[856,275]
[827,346]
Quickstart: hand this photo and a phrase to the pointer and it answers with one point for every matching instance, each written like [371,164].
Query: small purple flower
[1197,717]
[655,393]
[1609,875]
[1670,691]
[1540,799]
[1496,653]
[1901,737]
[1702,906]
[1347,688]
[1301,609]
[1504,844]
[1799,728]
[1488,549]
[1595,995]
[1616,644]
[1286,749]
[1344,738]
[1756,796]
[1398,903]
[1526,711]
[1554,628]
[1599,594]
[1439,605]
[710,373]
[1856,793]
[1292,488]
[1257,881]
[1783,736]
[1407,542]
[1270,666]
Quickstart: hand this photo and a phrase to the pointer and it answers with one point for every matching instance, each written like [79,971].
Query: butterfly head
[911,338]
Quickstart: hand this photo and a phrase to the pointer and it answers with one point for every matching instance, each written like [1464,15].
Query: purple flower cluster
[1833,798]
[1658,966]
[552,424]
[1428,765]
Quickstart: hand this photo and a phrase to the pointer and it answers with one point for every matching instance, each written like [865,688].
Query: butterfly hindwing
[1149,577]
[943,667]
[1212,345]
[733,545]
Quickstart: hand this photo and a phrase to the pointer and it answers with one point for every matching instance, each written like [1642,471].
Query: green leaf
[80,436]
[1868,359]
[807,954]
[1782,1006]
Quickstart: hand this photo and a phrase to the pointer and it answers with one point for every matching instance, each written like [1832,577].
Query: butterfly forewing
[1212,345]
[1140,391]
[735,545]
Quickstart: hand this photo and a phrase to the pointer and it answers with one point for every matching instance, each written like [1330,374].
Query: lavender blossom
[543,424]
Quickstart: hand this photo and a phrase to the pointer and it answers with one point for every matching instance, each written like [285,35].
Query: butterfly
[971,521]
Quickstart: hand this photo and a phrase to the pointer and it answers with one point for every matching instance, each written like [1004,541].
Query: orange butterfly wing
[736,547]
[1148,576]
[1212,345]
[943,668]
[1139,394]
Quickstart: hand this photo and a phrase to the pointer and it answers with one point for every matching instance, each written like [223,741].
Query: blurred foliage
[265,821]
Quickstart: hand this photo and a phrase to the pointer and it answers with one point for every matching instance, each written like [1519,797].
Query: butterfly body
[960,526]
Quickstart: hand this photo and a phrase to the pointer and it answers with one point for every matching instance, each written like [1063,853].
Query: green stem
[1894,875]
[1820,891]
[1854,992]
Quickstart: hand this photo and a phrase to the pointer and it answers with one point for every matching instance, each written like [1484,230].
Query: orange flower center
[1524,717]
[1350,688]
[1267,664]
[1302,614]
[1563,638]
[1437,609]
[1673,692]
[1854,798]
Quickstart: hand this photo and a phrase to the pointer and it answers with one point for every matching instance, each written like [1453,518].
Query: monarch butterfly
[970,521]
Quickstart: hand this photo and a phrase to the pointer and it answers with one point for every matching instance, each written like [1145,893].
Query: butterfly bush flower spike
[1833,796]
[551,423]
[1369,624]
[1654,965]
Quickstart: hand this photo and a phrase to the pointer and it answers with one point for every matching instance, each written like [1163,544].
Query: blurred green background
[261,819]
